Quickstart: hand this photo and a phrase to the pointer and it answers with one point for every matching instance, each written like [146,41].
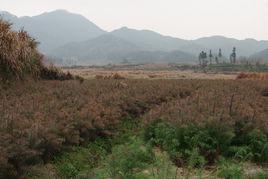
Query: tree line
[205,59]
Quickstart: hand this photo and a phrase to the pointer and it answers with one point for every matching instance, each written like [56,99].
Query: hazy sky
[187,19]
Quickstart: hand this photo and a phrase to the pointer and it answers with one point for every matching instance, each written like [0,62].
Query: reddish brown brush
[41,119]
[258,76]
[115,76]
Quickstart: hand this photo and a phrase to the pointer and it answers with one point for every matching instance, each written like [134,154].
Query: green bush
[73,164]
[126,160]
[230,170]
[262,175]
[195,159]
[240,152]
[258,142]
[209,139]
[67,170]
[205,143]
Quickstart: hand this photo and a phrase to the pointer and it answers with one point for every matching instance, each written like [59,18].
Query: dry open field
[148,71]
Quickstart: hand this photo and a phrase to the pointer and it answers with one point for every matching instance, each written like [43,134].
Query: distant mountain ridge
[67,35]
[245,47]
[55,29]
[149,40]
[262,55]
[111,49]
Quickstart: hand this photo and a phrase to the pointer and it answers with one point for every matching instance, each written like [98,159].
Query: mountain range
[64,35]
[55,29]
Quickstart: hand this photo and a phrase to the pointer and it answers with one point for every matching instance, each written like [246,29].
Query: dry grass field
[148,71]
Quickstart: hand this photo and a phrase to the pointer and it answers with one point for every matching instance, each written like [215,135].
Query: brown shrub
[117,76]
[258,76]
[98,77]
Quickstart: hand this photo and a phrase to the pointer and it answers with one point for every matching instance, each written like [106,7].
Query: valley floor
[148,71]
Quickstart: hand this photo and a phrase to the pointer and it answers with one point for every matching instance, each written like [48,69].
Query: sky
[187,19]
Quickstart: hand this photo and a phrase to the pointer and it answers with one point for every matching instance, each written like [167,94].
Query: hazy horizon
[186,19]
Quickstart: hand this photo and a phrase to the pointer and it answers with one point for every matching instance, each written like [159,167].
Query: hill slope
[110,49]
[103,49]
[152,41]
[244,47]
[261,55]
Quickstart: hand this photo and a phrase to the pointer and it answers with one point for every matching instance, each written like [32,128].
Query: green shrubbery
[230,170]
[199,144]
[262,175]
[71,165]
[126,160]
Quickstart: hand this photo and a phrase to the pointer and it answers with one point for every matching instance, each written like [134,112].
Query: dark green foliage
[199,144]
[258,143]
[239,152]
[195,159]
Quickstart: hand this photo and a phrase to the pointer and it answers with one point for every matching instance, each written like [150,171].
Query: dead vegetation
[255,76]
[145,72]
[115,76]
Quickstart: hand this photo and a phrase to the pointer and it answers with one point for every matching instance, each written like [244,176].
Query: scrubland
[200,119]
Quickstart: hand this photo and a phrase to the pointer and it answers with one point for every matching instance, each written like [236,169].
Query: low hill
[110,49]
[244,47]
[149,40]
[263,55]
[101,50]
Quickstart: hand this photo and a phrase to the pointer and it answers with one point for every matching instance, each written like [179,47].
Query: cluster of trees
[205,59]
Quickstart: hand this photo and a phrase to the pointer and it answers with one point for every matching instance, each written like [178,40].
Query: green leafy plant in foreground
[201,144]
[126,160]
